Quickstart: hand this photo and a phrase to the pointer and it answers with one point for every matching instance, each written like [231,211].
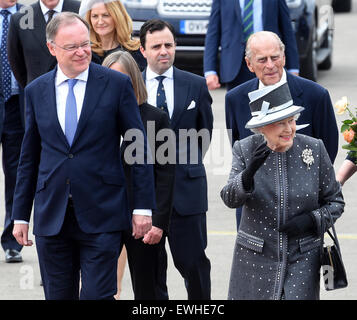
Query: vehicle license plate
[193,26]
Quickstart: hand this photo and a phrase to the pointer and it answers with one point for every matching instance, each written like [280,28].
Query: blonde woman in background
[110,30]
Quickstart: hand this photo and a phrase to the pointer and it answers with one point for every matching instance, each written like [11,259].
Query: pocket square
[192,105]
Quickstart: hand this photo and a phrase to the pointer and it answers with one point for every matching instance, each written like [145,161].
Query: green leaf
[348,121]
[344,127]
[349,147]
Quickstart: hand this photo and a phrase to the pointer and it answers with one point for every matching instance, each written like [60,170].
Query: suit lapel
[40,26]
[181,88]
[96,83]
[295,89]
[267,13]
[238,13]
[49,98]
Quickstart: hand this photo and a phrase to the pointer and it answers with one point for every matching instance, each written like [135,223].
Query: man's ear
[142,50]
[249,65]
[50,47]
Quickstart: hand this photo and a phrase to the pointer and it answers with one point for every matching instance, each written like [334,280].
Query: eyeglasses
[73,47]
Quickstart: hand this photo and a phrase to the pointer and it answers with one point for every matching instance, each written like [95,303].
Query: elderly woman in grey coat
[286,185]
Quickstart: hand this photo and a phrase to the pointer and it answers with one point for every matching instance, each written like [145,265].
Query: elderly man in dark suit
[73,171]
[185,97]
[265,56]
[28,54]
[231,22]
[11,131]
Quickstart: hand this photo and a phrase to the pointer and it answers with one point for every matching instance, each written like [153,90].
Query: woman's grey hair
[257,130]
[126,60]
[261,34]
[63,18]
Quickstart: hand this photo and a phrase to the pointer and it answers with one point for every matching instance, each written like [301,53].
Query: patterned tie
[50,14]
[161,97]
[71,112]
[248,27]
[6,71]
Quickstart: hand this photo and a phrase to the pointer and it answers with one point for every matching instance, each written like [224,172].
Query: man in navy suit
[11,131]
[73,171]
[266,58]
[231,22]
[188,104]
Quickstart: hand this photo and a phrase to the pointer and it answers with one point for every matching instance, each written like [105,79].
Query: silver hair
[63,18]
[258,129]
[248,49]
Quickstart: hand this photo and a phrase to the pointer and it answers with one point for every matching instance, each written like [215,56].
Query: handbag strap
[332,235]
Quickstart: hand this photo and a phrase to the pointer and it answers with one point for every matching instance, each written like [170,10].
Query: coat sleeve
[233,193]
[288,36]
[15,52]
[213,38]
[330,195]
[142,173]
[27,171]
[231,125]
[205,117]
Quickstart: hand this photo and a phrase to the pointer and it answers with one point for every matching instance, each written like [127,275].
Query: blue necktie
[71,112]
[6,71]
[161,97]
[248,26]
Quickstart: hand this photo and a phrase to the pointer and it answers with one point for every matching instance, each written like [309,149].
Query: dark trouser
[188,241]
[243,76]
[11,139]
[148,266]
[73,255]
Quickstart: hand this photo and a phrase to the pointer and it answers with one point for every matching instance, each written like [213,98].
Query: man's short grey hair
[63,18]
[257,130]
[248,49]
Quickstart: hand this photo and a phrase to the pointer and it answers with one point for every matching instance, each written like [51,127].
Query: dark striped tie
[248,26]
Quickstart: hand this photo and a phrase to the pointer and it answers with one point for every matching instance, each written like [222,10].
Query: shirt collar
[57,8]
[61,77]
[12,9]
[282,80]
[169,73]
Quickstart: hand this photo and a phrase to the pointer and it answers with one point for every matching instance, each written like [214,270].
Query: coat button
[70,156]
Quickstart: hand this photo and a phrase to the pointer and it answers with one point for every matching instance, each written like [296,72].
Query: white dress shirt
[57,8]
[152,84]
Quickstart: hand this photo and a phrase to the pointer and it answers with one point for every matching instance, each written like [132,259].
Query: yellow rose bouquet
[349,126]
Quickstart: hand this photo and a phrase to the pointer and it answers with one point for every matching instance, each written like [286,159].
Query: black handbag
[333,269]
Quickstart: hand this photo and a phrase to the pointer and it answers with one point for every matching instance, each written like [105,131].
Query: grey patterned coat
[267,264]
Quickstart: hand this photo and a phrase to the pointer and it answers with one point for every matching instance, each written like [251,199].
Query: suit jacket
[27,50]
[21,93]
[225,31]
[91,169]
[164,174]
[192,110]
[318,113]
